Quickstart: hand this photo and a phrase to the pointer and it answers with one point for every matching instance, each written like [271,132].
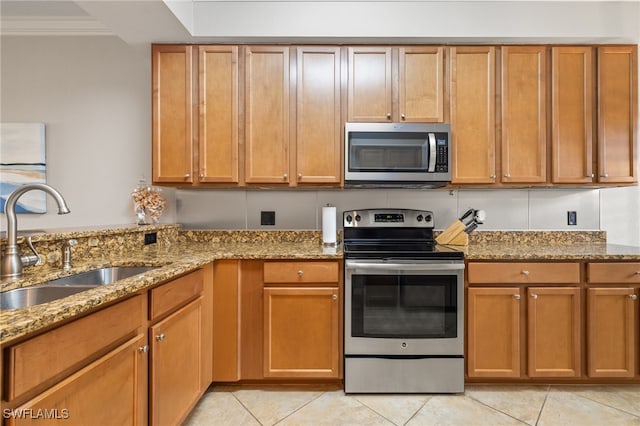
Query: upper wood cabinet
[617,114]
[572,114]
[318,120]
[266,114]
[396,84]
[473,134]
[218,127]
[172,130]
[524,116]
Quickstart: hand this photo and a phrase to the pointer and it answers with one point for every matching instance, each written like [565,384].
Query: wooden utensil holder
[454,235]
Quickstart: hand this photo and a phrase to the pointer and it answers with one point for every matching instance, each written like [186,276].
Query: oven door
[404,307]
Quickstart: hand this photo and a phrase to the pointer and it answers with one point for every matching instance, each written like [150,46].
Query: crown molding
[52,26]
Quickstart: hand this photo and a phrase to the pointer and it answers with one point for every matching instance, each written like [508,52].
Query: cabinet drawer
[614,273]
[46,358]
[174,294]
[301,272]
[521,272]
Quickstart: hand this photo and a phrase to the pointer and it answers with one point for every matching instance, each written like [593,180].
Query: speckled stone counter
[178,252]
[172,258]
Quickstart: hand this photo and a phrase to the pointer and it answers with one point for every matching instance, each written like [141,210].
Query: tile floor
[480,405]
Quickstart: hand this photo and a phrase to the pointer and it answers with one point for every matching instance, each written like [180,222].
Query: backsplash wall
[517,209]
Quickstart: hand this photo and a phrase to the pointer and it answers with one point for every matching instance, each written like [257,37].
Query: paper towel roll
[329,225]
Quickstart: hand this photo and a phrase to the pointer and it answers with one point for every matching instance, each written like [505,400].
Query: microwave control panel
[442,154]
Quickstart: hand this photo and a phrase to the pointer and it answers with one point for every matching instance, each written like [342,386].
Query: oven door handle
[349,264]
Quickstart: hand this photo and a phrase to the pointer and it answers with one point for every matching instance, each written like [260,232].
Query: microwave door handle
[432,153]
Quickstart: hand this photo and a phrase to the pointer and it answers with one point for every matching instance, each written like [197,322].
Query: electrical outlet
[150,238]
[267,218]
[572,218]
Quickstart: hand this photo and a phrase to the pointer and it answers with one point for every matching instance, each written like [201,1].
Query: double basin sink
[67,286]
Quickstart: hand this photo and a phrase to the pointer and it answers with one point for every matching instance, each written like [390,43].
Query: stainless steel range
[404,313]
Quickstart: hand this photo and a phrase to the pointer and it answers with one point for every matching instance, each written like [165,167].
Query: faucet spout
[12,262]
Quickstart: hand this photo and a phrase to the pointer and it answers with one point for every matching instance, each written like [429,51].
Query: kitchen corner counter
[172,260]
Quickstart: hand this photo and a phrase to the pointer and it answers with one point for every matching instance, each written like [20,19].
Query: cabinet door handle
[160,337]
[300,273]
[525,273]
[389,116]
[402,116]
[507,175]
[633,297]
[606,175]
[285,176]
[299,176]
[493,177]
[334,297]
[534,296]
[143,349]
[516,296]
[187,175]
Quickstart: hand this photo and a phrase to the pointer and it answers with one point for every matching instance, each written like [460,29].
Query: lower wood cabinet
[110,391]
[301,332]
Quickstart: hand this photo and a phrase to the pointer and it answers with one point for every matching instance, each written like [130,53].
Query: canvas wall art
[22,161]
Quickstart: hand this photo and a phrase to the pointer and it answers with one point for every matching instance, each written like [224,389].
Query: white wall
[94,96]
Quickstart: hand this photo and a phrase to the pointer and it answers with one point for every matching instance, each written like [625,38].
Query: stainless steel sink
[63,287]
[101,276]
[35,295]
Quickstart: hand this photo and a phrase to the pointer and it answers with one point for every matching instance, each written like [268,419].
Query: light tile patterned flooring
[480,405]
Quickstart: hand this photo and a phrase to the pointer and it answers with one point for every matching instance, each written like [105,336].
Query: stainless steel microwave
[397,154]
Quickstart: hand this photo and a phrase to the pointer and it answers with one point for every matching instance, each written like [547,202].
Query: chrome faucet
[12,262]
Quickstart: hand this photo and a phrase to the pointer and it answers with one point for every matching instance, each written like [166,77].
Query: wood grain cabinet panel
[178,292]
[267,114]
[614,273]
[370,97]
[226,321]
[301,272]
[572,112]
[493,332]
[554,331]
[612,333]
[110,391]
[523,273]
[318,120]
[176,365]
[473,134]
[524,116]
[301,336]
[421,84]
[172,130]
[617,114]
[218,159]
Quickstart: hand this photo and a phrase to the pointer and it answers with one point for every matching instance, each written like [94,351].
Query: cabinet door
[318,126]
[370,92]
[301,332]
[493,332]
[111,390]
[617,114]
[554,331]
[421,83]
[176,364]
[572,112]
[267,114]
[172,130]
[218,137]
[473,124]
[524,128]
[611,332]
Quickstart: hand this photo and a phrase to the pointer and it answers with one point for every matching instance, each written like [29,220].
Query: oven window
[406,306]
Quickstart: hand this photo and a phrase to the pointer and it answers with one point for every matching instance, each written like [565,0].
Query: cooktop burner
[394,234]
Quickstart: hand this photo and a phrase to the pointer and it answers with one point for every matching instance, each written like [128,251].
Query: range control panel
[385,218]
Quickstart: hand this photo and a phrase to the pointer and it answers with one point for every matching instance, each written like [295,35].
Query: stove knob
[349,218]
[358,218]
[428,218]
[419,218]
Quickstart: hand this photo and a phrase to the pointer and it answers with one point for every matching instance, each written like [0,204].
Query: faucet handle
[31,259]
[72,242]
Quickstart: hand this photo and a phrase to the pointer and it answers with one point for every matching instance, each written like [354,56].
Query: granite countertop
[172,261]
[196,248]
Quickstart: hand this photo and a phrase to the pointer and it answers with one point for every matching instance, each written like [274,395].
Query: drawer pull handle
[516,296]
[534,296]
[335,297]
[160,337]
[143,349]
[636,273]
[300,273]
[633,297]
[525,273]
